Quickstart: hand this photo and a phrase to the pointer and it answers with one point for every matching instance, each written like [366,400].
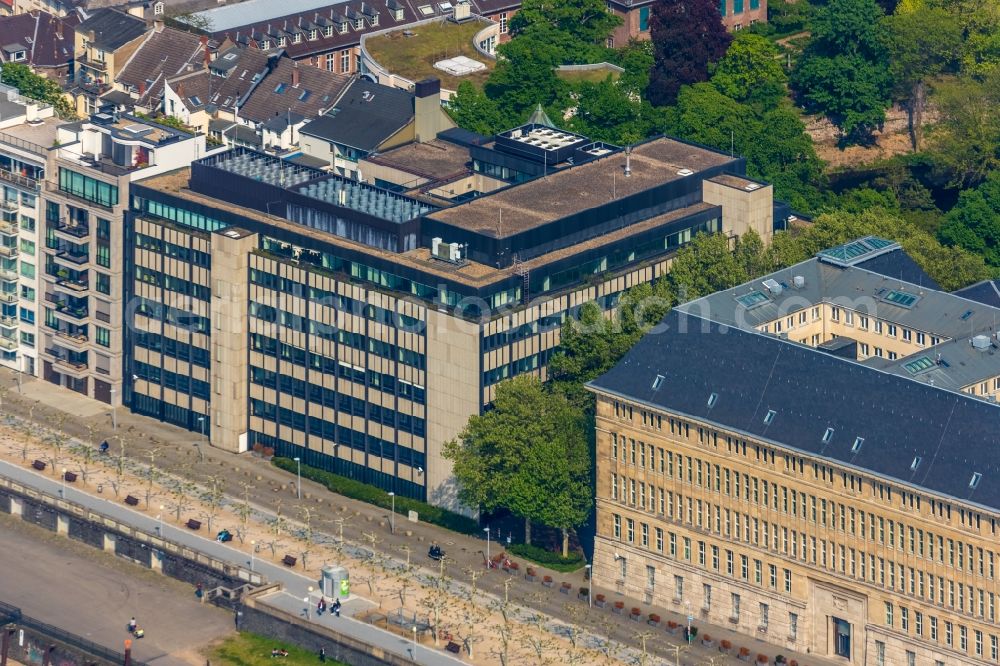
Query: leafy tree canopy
[472,109]
[36,87]
[974,222]
[582,22]
[751,71]
[687,37]
[965,143]
[844,72]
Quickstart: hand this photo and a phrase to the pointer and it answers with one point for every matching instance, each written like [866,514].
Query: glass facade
[88,188]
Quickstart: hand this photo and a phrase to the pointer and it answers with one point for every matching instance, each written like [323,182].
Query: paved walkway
[93,594]
[277,488]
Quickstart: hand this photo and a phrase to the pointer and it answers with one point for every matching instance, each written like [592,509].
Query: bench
[193,524]
[132,501]
[39,465]
[453,647]
[70,476]
[289,560]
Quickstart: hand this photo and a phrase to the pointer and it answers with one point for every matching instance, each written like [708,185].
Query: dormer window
[359,23]
[158,9]
[266,44]
[297,38]
[398,14]
[282,41]
[19,56]
[374,19]
[328,31]
[343,27]
[314,34]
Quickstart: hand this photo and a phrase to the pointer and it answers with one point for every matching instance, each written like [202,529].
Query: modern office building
[80,265]
[27,133]
[810,459]
[357,327]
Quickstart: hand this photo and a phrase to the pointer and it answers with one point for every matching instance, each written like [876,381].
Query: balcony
[8,296]
[17,179]
[8,251]
[8,228]
[12,205]
[96,65]
[8,322]
[74,257]
[8,275]
[76,286]
[64,364]
[70,230]
[8,344]
[66,309]
[75,340]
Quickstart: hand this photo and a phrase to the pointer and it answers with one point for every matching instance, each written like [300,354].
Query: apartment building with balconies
[81,307]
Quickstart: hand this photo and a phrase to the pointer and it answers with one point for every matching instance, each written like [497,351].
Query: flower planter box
[654,620]
[744,654]
[600,601]
[618,608]
[725,646]
[762,660]
[583,594]
[707,642]
[565,588]
[634,614]
[547,581]
[672,627]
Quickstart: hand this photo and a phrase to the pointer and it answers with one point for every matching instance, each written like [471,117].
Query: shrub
[744,651]
[547,579]
[706,637]
[547,558]
[793,663]
[654,618]
[671,624]
[726,645]
[531,571]
[762,659]
[780,659]
[636,611]
[372,495]
[584,591]
[693,632]
[619,604]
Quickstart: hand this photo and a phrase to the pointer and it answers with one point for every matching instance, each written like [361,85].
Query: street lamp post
[62,491]
[487,530]
[590,583]
[114,411]
[298,476]
[201,424]
[159,517]
[253,547]
[687,605]
[392,516]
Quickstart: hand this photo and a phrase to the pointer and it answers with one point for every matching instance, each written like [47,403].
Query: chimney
[207,57]
[158,25]
[180,90]
[142,89]
[295,74]
[59,29]
[428,116]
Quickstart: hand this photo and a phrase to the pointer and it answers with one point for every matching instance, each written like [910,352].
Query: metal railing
[18,179]
[17,142]
[14,615]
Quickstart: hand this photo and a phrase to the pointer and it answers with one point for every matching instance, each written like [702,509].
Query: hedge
[548,559]
[372,495]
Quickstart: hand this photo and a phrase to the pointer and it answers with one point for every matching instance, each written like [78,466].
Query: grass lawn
[246,649]
[588,75]
[414,57]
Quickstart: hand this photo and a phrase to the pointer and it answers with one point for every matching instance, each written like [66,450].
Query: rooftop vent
[858,441]
[750,187]
[915,464]
[828,435]
[685,172]
[769,417]
[799,281]
[772,286]
[981,342]
[658,381]
[974,481]
[712,399]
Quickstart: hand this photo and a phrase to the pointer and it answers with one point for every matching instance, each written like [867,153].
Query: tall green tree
[965,143]
[528,454]
[586,24]
[922,44]
[36,87]
[974,222]
[472,109]
[751,71]
[525,75]
[844,71]
[688,36]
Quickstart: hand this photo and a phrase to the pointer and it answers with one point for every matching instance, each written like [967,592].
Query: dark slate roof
[112,29]
[366,115]
[164,53]
[986,292]
[954,435]
[899,266]
[49,47]
[317,91]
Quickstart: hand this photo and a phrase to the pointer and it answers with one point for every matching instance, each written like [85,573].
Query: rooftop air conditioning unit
[799,281]
[981,342]
[685,172]
[772,286]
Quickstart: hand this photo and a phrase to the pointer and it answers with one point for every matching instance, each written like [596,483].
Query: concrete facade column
[231,250]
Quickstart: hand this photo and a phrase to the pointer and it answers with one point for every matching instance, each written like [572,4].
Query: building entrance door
[842,637]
